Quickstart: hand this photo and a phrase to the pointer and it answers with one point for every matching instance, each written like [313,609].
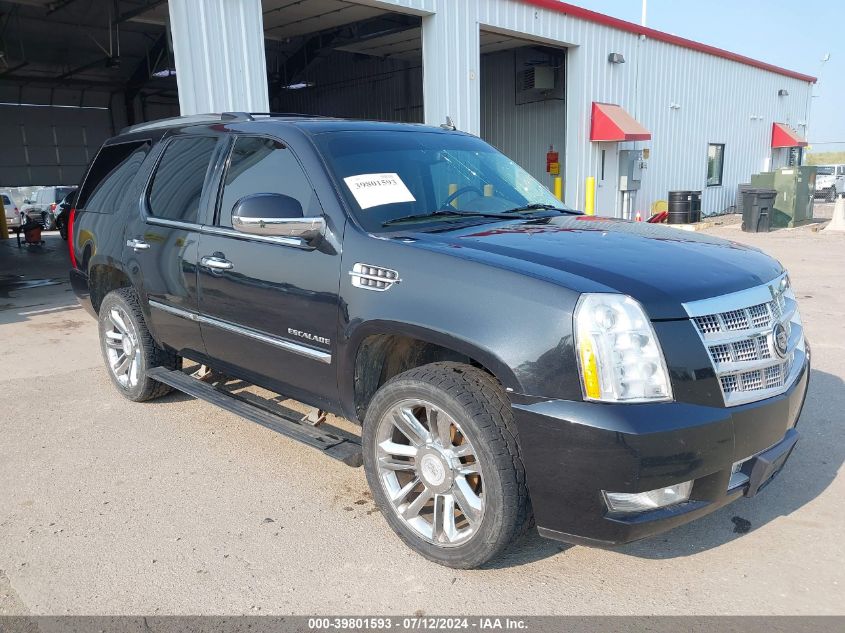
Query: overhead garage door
[49,145]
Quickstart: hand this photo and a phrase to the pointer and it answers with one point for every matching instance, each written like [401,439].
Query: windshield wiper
[539,206]
[444,213]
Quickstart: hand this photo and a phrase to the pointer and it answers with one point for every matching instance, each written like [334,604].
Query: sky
[793,35]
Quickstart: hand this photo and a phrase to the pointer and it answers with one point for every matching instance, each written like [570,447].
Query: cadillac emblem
[780,340]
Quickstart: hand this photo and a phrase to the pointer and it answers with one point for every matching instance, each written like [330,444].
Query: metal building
[631,107]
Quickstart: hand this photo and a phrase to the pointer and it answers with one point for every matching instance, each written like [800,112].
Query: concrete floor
[174,507]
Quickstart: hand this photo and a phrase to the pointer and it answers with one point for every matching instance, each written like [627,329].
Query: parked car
[63,212]
[830,181]
[506,356]
[42,208]
[13,214]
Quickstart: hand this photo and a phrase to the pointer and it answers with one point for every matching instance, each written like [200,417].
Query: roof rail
[212,118]
[171,122]
[250,116]
[231,116]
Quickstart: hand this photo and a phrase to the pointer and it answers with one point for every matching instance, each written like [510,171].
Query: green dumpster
[795,188]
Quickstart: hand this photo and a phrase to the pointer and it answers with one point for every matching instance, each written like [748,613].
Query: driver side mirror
[276,215]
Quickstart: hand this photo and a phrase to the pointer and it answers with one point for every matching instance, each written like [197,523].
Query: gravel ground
[175,507]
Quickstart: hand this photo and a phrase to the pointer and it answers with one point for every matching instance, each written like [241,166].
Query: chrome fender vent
[372,277]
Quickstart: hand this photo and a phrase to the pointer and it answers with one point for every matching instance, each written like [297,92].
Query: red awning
[612,123]
[785,136]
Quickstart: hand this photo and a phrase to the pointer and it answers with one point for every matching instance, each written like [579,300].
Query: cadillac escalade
[510,361]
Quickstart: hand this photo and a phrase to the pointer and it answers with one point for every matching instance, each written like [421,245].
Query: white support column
[219,51]
[451,65]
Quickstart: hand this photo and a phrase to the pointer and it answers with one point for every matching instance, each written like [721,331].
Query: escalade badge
[780,338]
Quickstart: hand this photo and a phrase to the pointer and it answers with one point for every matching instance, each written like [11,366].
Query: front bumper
[572,451]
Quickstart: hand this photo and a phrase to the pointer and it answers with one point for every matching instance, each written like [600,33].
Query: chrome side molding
[289,346]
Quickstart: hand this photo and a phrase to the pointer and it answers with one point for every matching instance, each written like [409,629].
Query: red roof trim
[785,136]
[611,122]
[630,27]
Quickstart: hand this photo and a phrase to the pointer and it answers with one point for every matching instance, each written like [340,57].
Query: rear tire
[449,427]
[129,350]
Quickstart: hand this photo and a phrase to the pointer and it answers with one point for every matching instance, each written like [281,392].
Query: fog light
[640,501]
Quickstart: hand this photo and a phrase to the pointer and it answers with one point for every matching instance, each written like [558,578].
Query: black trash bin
[740,195]
[757,206]
[695,206]
[680,203]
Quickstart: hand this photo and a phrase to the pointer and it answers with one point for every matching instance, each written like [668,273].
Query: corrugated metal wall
[717,97]
[353,86]
[219,53]
[451,64]
[523,132]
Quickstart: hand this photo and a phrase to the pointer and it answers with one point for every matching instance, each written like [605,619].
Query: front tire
[129,350]
[442,461]
[46,222]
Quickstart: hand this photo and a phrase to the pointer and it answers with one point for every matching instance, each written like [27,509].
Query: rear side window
[177,185]
[262,165]
[110,175]
[6,201]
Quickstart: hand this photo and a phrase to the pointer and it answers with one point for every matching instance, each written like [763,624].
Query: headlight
[619,356]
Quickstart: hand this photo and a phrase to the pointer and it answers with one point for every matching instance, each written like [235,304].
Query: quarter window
[110,175]
[262,165]
[179,178]
[715,164]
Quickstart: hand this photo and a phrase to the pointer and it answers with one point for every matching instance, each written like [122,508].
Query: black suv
[510,360]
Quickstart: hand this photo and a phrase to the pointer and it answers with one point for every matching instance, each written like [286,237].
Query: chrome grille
[734,320]
[760,315]
[774,375]
[738,331]
[708,323]
[728,383]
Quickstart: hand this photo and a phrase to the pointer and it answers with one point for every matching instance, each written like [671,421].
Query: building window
[715,163]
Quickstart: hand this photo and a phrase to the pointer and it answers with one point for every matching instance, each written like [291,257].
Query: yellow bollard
[559,188]
[453,187]
[590,196]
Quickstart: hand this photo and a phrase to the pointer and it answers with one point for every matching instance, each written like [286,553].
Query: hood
[659,266]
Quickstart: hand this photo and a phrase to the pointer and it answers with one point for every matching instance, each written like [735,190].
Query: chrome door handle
[137,245]
[216,263]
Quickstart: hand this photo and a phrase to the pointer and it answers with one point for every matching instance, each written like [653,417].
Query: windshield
[825,170]
[389,175]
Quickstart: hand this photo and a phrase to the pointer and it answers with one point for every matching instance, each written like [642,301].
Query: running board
[346,449]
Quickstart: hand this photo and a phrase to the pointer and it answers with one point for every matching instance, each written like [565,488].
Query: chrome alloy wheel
[122,347]
[430,473]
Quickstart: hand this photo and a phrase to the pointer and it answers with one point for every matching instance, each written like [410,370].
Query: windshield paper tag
[372,190]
